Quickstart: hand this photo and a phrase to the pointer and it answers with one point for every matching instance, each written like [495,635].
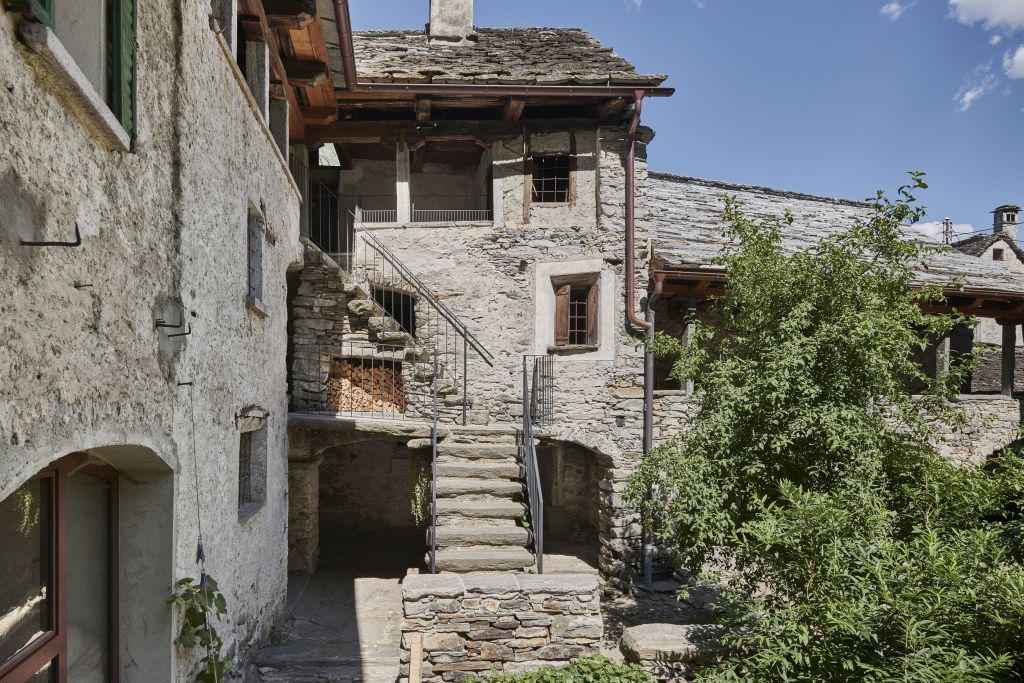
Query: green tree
[847,548]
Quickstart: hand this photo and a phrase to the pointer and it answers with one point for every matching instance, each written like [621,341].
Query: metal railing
[542,392]
[326,228]
[534,493]
[366,379]
[369,216]
[411,311]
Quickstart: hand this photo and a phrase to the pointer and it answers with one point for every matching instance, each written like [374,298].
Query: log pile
[356,386]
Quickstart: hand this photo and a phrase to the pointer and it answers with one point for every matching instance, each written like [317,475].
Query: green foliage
[595,669]
[199,603]
[419,482]
[809,486]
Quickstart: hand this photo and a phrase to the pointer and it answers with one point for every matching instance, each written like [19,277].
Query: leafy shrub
[595,669]
[854,552]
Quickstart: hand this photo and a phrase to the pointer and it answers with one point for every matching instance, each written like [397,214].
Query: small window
[100,36]
[256,235]
[399,306]
[997,254]
[551,176]
[252,470]
[1011,218]
[576,315]
[245,494]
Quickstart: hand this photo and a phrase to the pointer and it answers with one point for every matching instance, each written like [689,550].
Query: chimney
[451,19]
[1005,220]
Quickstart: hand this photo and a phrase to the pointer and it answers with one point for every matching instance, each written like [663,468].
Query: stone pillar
[402,192]
[1009,358]
[257,75]
[279,125]
[303,516]
[691,309]
[942,358]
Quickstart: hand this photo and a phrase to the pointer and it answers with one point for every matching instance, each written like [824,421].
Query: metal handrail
[423,291]
[433,476]
[533,486]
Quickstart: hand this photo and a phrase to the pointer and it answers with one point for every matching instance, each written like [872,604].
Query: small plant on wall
[201,603]
[419,483]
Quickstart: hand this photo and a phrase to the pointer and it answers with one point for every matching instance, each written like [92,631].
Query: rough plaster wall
[163,229]
[374,183]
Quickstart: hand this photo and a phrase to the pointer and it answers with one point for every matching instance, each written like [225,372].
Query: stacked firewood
[354,387]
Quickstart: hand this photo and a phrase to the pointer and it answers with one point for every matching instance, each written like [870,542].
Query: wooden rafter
[305,73]
[513,109]
[253,20]
[290,14]
[423,107]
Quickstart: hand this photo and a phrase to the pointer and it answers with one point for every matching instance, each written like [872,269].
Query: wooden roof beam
[514,109]
[253,20]
[290,14]
[423,107]
[305,73]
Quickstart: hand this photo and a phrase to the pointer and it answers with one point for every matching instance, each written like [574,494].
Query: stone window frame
[998,254]
[110,110]
[256,234]
[594,271]
[253,447]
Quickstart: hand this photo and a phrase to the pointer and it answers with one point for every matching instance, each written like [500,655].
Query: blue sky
[830,97]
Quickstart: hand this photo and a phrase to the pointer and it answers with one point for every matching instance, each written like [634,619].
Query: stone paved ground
[343,623]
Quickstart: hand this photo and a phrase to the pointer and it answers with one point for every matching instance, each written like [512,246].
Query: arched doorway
[64,532]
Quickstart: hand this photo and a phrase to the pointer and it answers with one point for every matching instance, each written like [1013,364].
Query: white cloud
[1013,63]
[995,40]
[1007,14]
[933,230]
[894,10]
[979,83]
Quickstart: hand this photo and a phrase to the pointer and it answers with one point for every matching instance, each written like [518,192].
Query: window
[399,306]
[254,249]
[551,176]
[252,469]
[100,36]
[997,254]
[1010,217]
[58,601]
[576,315]
[245,470]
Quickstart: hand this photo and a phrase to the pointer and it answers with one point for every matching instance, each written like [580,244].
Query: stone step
[483,560]
[478,451]
[449,487]
[479,470]
[481,508]
[464,536]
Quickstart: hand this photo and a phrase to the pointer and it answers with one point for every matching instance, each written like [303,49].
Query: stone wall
[85,368]
[502,622]
[993,421]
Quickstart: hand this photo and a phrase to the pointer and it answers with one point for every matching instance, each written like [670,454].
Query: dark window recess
[576,315]
[997,254]
[245,469]
[399,306]
[255,256]
[551,178]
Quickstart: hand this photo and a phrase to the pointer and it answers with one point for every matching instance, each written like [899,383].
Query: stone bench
[671,652]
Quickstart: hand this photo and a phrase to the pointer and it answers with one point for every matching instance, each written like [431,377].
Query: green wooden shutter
[40,10]
[121,61]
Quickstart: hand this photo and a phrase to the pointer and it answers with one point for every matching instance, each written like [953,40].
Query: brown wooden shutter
[562,315]
[592,316]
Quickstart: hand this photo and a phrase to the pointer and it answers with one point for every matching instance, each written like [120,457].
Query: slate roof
[498,56]
[976,245]
[683,217]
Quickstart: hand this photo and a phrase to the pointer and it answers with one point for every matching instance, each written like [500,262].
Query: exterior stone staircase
[480,504]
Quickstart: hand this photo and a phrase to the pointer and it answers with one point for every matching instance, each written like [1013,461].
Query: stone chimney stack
[1005,219]
[451,19]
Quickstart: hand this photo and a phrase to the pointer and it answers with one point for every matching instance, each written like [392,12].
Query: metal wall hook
[182,334]
[184,384]
[160,322]
[77,242]
[79,285]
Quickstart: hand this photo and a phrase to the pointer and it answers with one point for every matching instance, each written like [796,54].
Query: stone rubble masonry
[504,622]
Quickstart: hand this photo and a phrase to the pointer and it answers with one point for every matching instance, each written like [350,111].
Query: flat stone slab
[672,643]
[448,536]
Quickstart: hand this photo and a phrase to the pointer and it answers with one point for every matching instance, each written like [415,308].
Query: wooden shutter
[121,61]
[562,315]
[40,10]
[592,316]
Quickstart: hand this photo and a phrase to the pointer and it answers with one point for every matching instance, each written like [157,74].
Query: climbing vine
[200,603]
[419,482]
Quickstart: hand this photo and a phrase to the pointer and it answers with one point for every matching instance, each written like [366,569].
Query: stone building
[147,218]
[319,295]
